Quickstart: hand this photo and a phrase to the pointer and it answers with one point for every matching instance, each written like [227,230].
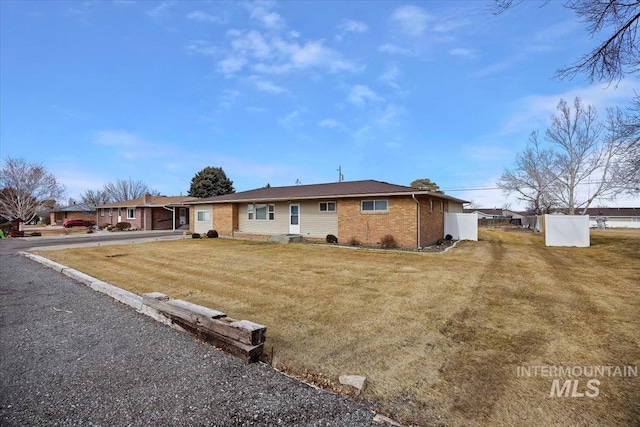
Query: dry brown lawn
[439,336]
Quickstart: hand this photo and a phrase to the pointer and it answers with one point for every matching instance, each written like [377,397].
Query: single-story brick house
[147,212]
[76,211]
[365,210]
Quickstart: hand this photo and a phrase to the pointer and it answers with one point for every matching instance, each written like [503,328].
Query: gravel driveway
[71,356]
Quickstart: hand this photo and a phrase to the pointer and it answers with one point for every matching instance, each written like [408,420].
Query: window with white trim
[250,212]
[374,206]
[272,211]
[430,205]
[202,216]
[327,206]
[102,212]
[110,211]
[261,211]
[131,213]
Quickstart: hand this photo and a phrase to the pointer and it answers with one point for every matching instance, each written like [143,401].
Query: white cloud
[391,75]
[360,95]
[393,49]
[200,16]
[462,52]
[351,26]
[201,47]
[410,20]
[267,86]
[116,138]
[261,13]
[252,44]
[331,124]
[231,65]
[292,120]
[534,111]
[390,115]
[160,12]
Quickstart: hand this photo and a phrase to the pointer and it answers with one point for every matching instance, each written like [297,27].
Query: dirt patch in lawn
[440,337]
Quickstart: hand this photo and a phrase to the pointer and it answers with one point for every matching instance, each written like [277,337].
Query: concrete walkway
[70,356]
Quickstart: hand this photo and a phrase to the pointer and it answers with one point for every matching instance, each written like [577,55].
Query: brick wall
[400,221]
[225,218]
[431,223]
[161,219]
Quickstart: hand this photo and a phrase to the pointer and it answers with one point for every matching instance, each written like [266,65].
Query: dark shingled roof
[78,207]
[156,201]
[368,188]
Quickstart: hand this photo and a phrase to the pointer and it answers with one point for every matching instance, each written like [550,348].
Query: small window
[110,211]
[374,205]
[441,206]
[261,211]
[131,213]
[250,212]
[327,206]
[203,216]
[102,212]
[272,212]
[430,205]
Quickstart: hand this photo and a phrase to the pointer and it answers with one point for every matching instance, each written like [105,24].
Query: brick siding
[225,218]
[400,220]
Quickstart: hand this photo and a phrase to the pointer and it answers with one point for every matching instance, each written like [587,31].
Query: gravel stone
[70,356]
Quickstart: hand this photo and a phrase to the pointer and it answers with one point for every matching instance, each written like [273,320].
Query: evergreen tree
[210,182]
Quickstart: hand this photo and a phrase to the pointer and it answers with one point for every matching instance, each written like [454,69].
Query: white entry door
[294,218]
[119,214]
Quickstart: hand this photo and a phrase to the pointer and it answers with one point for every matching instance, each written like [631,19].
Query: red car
[74,223]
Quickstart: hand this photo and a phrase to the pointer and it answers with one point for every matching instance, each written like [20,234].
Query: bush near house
[388,242]
[122,226]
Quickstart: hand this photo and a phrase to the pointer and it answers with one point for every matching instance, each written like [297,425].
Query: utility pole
[340,176]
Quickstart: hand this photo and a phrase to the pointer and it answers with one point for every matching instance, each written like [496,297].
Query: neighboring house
[147,212]
[615,217]
[495,213]
[76,211]
[364,210]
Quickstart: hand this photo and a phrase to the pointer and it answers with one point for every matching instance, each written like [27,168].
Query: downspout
[413,196]
[173,211]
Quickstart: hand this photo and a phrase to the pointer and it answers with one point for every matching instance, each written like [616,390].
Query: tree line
[26,189]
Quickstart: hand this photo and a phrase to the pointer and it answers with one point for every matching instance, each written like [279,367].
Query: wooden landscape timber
[241,338]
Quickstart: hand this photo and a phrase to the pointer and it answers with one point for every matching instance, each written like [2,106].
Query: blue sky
[279,92]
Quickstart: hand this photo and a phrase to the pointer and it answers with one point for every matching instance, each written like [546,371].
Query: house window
[102,212]
[131,213]
[327,206]
[272,212]
[374,205]
[203,216]
[430,205]
[249,212]
[110,211]
[441,206]
[261,211]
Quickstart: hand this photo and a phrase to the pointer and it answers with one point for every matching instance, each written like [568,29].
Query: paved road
[70,356]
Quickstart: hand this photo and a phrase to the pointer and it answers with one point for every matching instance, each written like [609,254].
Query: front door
[183,216]
[119,214]
[294,218]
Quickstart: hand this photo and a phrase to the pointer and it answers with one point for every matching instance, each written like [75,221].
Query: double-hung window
[131,213]
[250,211]
[261,212]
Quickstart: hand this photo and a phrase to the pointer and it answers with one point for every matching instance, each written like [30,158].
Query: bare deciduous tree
[529,179]
[126,189]
[95,198]
[616,56]
[583,162]
[25,187]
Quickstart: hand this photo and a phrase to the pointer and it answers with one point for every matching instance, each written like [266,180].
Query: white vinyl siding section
[279,225]
[313,223]
[204,212]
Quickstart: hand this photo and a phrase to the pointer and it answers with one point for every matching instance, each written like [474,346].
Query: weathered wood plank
[244,331]
[247,353]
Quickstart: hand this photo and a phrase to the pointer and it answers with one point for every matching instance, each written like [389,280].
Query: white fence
[461,226]
[567,230]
